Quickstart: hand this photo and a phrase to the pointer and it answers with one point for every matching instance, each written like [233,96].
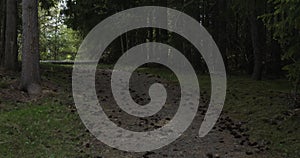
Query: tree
[244,41]
[11,55]
[30,80]
[57,41]
[258,40]
[2,30]
[252,9]
[220,27]
[284,22]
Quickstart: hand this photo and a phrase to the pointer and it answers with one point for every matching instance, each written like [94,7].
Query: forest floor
[257,120]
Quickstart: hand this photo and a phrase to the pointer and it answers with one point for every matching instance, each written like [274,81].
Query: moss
[4,84]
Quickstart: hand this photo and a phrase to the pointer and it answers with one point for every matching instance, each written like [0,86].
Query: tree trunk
[276,63]
[30,80]
[2,31]
[11,55]
[196,56]
[162,34]
[257,36]
[221,29]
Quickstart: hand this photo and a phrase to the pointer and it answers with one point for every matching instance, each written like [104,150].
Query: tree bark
[2,31]
[30,80]
[162,34]
[257,35]
[11,55]
[221,29]
[276,63]
[196,56]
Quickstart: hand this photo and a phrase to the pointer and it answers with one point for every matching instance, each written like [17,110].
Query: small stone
[209,155]
[252,143]
[249,153]
[87,145]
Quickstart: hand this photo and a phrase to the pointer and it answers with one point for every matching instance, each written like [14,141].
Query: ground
[257,121]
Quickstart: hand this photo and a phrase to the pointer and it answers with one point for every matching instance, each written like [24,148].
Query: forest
[259,41]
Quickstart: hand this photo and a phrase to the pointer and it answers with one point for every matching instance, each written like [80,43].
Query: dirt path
[227,139]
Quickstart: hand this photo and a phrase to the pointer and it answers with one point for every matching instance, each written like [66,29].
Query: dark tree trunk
[221,29]
[196,56]
[2,30]
[30,80]
[257,35]
[163,34]
[11,55]
[276,64]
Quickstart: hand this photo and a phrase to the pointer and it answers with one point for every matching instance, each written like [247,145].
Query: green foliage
[84,15]
[284,22]
[47,4]
[228,24]
[57,41]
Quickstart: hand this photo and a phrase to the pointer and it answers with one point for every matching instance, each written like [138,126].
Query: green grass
[265,106]
[105,66]
[49,129]
[4,84]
